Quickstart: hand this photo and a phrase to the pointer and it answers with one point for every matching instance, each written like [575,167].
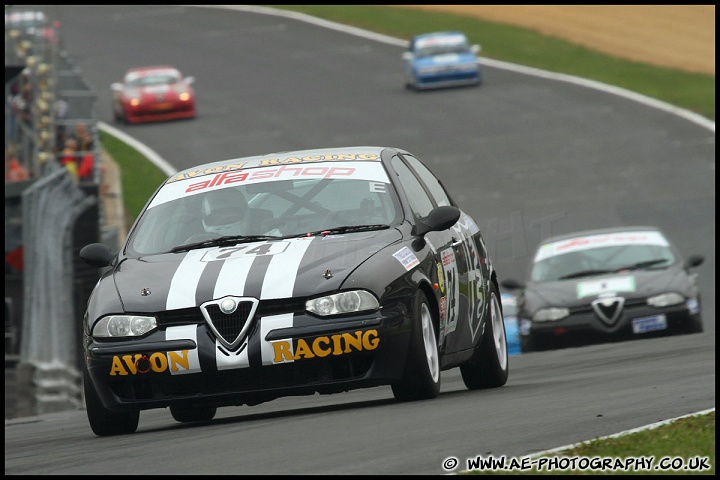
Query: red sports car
[152,94]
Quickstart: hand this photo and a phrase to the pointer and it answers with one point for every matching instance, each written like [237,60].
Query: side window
[436,189]
[419,201]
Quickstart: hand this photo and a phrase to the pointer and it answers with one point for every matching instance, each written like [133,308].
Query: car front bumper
[423,82]
[312,356]
[585,327]
[156,112]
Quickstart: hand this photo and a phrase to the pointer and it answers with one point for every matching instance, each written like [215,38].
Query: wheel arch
[425,284]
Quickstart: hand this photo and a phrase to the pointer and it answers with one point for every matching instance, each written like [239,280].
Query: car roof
[315,155]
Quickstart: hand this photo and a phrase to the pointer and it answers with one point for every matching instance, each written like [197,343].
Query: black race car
[606,285]
[294,273]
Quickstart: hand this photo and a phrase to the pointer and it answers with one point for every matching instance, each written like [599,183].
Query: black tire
[489,365]
[421,377]
[104,422]
[184,414]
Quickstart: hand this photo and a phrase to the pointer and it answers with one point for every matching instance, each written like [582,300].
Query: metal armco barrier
[49,336]
[49,216]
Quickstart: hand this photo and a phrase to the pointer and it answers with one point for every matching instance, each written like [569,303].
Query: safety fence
[51,211]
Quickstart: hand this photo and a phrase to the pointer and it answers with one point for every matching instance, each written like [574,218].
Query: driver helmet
[224,212]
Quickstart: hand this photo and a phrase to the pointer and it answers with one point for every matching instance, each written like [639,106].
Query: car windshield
[583,262]
[180,220]
[149,80]
[442,50]
[443,45]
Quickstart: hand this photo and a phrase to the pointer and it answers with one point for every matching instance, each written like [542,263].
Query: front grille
[230,326]
[224,326]
[629,304]
[229,318]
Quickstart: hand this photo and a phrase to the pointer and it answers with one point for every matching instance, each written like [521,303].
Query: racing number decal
[477,290]
[476,280]
[453,289]
[245,250]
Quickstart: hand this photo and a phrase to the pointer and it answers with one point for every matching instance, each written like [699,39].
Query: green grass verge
[687,444]
[139,177]
[688,438]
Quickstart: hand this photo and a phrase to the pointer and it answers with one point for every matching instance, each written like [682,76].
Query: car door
[470,253]
[449,249]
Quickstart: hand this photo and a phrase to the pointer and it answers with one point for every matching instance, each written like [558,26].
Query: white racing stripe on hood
[193,362]
[185,281]
[279,283]
[281,273]
[232,277]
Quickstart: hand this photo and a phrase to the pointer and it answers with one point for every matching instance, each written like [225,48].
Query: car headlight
[135,101]
[341,303]
[665,299]
[123,326]
[184,96]
[550,314]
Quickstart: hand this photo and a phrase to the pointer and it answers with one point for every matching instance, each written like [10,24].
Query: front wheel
[421,377]
[104,422]
[489,366]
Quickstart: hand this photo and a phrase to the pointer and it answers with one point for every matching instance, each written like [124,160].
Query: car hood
[445,59]
[637,284]
[295,267]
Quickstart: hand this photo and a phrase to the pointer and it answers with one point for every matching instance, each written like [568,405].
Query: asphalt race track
[527,156]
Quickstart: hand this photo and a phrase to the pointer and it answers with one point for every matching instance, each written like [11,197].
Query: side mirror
[116,87]
[97,255]
[476,49]
[694,261]
[441,218]
[190,80]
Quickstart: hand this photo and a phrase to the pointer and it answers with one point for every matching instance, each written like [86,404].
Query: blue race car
[441,59]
